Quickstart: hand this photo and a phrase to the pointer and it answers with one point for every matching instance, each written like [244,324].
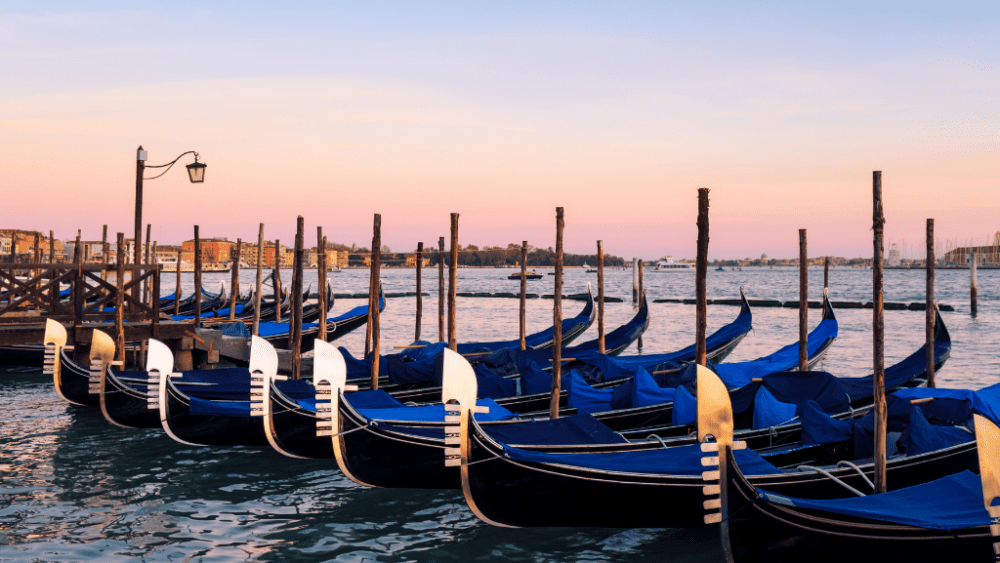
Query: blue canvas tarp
[950,503]
[576,429]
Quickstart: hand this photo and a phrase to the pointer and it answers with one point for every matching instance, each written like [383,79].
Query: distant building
[763,259]
[894,259]
[213,250]
[984,255]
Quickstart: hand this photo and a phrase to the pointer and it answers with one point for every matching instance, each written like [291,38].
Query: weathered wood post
[257,288]
[453,284]
[826,273]
[420,295]
[973,290]
[376,300]
[803,302]
[641,296]
[441,289]
[52,256]
[177,289]
[878,333]
[371,336]
[295,331]
[276,280]
[372,285]
[600,296]
[155,291]
[635,280]
[120,298]
[197,278]
[145,283]
[931,317]
[104,251]
[36,255]
[321,274]
[557,320]
[522,311]
[701,269]
[234,290]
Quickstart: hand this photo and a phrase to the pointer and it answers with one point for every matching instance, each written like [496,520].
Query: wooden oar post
[557,319]
[321,274]
[120,298]
[197,278]
[600,296]
[441,289]
[701,270]
[234,289]
[376,299]
[931,317]
[257,288]
[878,333]
[522,309]
[973,290]
[295,329]
[420,295]
[276,280]
[453,284]
[803,302]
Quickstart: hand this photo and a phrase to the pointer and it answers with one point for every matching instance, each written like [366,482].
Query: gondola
[231,418]
[73,382]
[532,275]
[384,443]
[951,518]
[336,327]
[602,487]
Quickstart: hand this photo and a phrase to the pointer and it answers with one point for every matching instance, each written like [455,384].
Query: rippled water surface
[75,488]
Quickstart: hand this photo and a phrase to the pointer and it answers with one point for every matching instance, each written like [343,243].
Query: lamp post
[196,173]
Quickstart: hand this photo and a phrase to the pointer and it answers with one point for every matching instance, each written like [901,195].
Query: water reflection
[77,488]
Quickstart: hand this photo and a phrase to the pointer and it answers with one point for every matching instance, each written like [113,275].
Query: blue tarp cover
[576,429]
[685,408]
[819,428]
[922,437]
[640,391]
[950,503]
[682,460]
[223,408]
[432,413]
[769,411]
[740,374]
[581,396]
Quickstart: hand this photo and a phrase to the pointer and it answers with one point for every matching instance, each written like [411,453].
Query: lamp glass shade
[196,172]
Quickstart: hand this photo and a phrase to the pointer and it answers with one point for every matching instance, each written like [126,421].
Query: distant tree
[386,249]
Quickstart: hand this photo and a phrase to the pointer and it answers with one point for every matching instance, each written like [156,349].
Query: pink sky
[615,118]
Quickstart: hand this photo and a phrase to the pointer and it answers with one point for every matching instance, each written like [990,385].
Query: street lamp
[196,173]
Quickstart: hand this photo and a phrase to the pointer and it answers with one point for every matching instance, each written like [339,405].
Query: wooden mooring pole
[878,333]
[376,299]
[120,298]
[420,295]
[276,280]
[557,319]
[600,296]
[453,284]
[641,297]
[197,278]
[522,309]
[931,317]
[177,289]
[701,270]
[973,289]
[296,327]
[803,302]
[324,308]
[234,289]
[257,288]
[441,289]
[104,250]
[635,280]
[146,283]
[376,225]
[826,273]
[52,246]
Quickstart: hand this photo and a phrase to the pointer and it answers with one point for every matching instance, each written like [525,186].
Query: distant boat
[667,264]
[720,269]
[532,275]
[335,268]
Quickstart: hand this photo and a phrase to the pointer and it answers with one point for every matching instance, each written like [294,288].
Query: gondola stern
[54,341]
[330,381]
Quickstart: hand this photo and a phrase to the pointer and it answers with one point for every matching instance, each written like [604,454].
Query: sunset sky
[502,111]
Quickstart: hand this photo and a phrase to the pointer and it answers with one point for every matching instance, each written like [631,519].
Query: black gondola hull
[208,430]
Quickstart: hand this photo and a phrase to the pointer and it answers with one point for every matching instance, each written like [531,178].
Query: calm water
[75,488]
